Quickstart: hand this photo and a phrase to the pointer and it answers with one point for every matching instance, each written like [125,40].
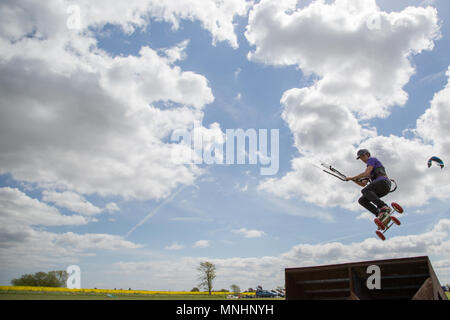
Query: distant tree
[61,275]
[235,288]
[224,290]
[195,289]
[42,279]
[250,290]
[207,275]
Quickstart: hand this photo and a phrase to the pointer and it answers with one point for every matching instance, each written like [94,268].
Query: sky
[103,105]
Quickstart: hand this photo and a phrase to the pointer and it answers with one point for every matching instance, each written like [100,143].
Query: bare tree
[235,288]
[207,275]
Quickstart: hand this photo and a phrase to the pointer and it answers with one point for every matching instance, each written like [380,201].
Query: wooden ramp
[407,278]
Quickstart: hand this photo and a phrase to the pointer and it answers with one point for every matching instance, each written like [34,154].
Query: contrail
[154,211]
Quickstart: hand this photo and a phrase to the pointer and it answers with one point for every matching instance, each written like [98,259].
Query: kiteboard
[388,220]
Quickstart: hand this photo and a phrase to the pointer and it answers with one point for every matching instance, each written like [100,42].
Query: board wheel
[379,223]
[380,235]
[397,207]
[395,220]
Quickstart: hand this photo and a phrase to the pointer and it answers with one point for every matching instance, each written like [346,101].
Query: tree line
[56,278]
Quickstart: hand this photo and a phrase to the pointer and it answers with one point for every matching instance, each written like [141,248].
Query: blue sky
[86,161]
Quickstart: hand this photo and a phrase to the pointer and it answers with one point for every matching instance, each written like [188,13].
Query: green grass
[448,294]
[29,295]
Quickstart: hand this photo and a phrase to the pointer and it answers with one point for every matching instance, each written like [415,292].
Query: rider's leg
[368,205]
[375,190]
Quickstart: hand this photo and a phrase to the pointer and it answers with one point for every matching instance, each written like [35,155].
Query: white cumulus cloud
[249,233]
[89,122]
[360,56]
[71,201]
[201,244]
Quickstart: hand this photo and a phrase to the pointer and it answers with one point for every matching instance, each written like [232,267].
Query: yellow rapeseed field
[106,291]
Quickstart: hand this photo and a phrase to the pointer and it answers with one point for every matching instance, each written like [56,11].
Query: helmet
[362,152]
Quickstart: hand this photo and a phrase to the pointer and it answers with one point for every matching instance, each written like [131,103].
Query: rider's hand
[348,178]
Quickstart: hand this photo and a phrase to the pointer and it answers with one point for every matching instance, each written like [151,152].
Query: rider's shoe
[384,209]
[382,212]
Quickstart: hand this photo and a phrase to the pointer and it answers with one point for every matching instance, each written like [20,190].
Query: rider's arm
[365,174]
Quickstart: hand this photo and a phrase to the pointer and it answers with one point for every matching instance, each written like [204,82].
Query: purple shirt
[376,164]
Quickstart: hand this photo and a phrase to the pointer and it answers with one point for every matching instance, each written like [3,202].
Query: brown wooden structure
[406,278]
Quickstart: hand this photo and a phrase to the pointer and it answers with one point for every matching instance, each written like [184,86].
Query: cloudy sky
[92,95]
